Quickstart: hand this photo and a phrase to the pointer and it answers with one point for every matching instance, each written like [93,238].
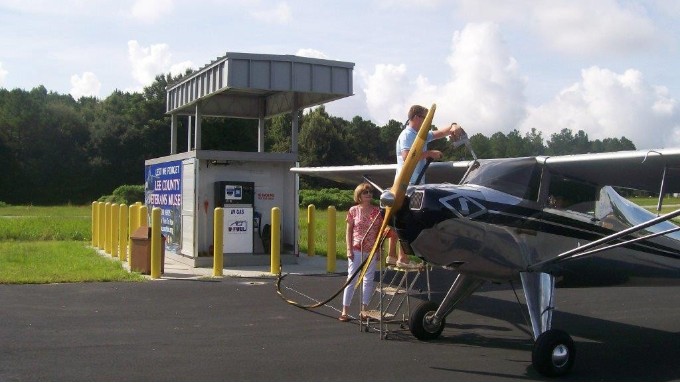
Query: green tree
[321,144]
[499,144]
[388,142]
[481,145]
[43,139]
[516,146]
[278,133]
[560,143]
[534,143]
[363,140]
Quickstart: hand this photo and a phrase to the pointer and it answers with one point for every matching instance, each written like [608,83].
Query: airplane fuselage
[495,235]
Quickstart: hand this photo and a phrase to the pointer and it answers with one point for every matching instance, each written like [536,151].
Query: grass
[669,204]
[649,203]
[47,211]
[57,262]
[45,228]
[321,233]
[50,245]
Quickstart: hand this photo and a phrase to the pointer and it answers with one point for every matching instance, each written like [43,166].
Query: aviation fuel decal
[239,226]
[463,206]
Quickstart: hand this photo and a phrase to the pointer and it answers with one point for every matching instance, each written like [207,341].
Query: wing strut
[663,181]
[638,239]
[661,191]
[375,185]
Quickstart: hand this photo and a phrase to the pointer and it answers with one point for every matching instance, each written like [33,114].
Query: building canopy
[245,85]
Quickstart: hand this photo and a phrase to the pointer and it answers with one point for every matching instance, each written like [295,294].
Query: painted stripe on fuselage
[519,217]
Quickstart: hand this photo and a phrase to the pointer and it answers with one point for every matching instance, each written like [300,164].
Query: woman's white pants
[369,278]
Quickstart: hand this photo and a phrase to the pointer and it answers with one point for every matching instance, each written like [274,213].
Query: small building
[188,186]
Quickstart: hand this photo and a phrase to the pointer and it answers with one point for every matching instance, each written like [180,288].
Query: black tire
[420,325]
[554,353]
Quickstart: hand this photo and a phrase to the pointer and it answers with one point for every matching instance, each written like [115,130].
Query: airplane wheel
[421,325]
[553,353]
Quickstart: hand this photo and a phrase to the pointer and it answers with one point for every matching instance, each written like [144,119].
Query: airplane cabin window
[519,177]
[571,194]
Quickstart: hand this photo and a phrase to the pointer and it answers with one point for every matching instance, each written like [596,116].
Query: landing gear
[553,353]
[423,324]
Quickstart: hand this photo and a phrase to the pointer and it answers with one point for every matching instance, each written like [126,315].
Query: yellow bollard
[311,212]
[276,241]
[95,224]
[133,217]
[123,232]
[107,228]
[101,228]
[156,242]
[115,212]
[331,251]
[143,216]
[218,241]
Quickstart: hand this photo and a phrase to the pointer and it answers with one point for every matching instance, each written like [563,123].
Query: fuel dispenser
[237,199]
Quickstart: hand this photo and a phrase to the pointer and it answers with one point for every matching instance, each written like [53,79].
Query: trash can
[140,250]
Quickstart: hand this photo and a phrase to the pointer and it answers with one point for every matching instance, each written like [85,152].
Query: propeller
[394,198]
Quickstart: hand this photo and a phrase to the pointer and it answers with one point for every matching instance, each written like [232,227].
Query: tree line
[57,150]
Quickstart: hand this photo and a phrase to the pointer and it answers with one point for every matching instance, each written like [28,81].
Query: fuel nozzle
[463,140]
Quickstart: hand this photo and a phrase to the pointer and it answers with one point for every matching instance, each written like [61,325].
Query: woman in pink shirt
[363,226]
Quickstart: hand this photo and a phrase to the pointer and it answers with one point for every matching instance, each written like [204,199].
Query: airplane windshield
[519,177]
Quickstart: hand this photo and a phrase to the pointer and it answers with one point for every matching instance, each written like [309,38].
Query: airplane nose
[387,199]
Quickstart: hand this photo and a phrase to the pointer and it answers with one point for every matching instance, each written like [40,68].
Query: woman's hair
[359,189]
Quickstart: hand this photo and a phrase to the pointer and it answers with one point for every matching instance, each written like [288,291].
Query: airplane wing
[637,169]
[438,172]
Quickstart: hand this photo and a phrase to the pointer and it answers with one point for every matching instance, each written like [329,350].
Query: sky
[610,68]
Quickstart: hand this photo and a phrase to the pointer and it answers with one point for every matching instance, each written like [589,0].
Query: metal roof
[250,85]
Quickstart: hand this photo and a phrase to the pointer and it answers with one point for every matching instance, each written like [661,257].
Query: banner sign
[163,189]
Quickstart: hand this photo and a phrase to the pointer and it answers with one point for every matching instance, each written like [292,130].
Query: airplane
[536,220]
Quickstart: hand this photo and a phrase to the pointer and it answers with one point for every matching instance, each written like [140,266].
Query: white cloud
[588,27]
[309,52]
[485,91]
[85,86]
[54,8]
[386,89]
[3,74]
[605,104]
[148,62]
[580,27]
[149,11]
[408,4]
[280,14]
[180,68]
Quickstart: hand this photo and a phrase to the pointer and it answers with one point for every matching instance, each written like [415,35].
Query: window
[570,194]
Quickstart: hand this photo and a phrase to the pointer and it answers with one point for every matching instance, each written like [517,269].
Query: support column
[190,127]
[173,134]
[197,133]
[294,132]
[260,135]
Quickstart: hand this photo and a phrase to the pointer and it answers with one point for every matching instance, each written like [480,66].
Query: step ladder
[390,303]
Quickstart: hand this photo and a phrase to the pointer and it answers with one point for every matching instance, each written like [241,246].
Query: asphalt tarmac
[239,329]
